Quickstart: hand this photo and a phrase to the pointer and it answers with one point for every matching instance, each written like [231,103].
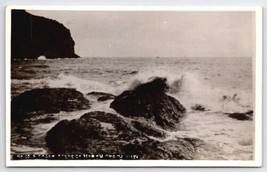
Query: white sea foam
[191,89]
[188,88]
[226,138]
[41,58]
[191,83]
[82,85]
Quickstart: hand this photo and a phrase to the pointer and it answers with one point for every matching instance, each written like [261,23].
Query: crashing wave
[192,89]
[189,88]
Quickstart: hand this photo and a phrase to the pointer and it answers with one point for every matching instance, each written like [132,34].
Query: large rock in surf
[47,100]
[94,132]
[34,36]
[150,102]
[108,134]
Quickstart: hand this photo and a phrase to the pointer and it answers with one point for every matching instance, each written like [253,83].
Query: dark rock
[102,96]
[94,132]
[105,98]
[195,142]
[34,36]
[95,93]
[47,100]
[157,85]
[150,101]
[67,136]
[46,119]
[40,66]
[198,107]
[129,72]
[168,150]
[106,133]
[120,128]
[250,112]
[242,116]
[149,130]
[133,72]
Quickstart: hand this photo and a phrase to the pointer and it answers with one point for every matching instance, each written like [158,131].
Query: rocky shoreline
[147,113]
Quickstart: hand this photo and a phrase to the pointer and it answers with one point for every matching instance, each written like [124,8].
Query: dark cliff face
[33,36]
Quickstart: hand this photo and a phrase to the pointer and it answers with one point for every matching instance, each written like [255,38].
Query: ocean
[221,85]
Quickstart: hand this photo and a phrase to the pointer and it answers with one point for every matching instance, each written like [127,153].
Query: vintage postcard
[133,86]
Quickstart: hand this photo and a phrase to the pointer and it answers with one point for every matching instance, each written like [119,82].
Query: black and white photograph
[133,84]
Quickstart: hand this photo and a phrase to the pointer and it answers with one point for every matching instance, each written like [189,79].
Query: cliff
[34,36]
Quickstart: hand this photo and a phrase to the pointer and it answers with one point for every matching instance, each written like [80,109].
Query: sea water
[221,85]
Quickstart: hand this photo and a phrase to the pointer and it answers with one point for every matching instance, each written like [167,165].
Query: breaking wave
[188,88]
[191,89]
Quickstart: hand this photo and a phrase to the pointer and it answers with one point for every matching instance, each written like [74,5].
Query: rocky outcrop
[95,132]
[102,96]
[150,101]
[34,36]
[108,134]
[242,116]
[198,107]
[46,100]
[179,149]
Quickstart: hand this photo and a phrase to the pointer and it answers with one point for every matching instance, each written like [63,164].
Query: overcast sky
[163,34]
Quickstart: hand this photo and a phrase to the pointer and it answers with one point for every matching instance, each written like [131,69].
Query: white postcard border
[257,162]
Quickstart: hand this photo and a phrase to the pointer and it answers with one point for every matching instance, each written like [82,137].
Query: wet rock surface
[198,107]
[101,96]
[242,116]
[150,101]
[46,100]
[94,132]
[105,133]
[167,150]
[148,129]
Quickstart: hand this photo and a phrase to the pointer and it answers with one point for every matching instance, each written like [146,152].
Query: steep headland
[34,36]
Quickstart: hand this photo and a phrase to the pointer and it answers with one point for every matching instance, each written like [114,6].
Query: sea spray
[82,85]
[191,89]
[191,81]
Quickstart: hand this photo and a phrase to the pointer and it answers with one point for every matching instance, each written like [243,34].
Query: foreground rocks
[105,133]
[47,100]
[179,149]
[94,132]
[149,101]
